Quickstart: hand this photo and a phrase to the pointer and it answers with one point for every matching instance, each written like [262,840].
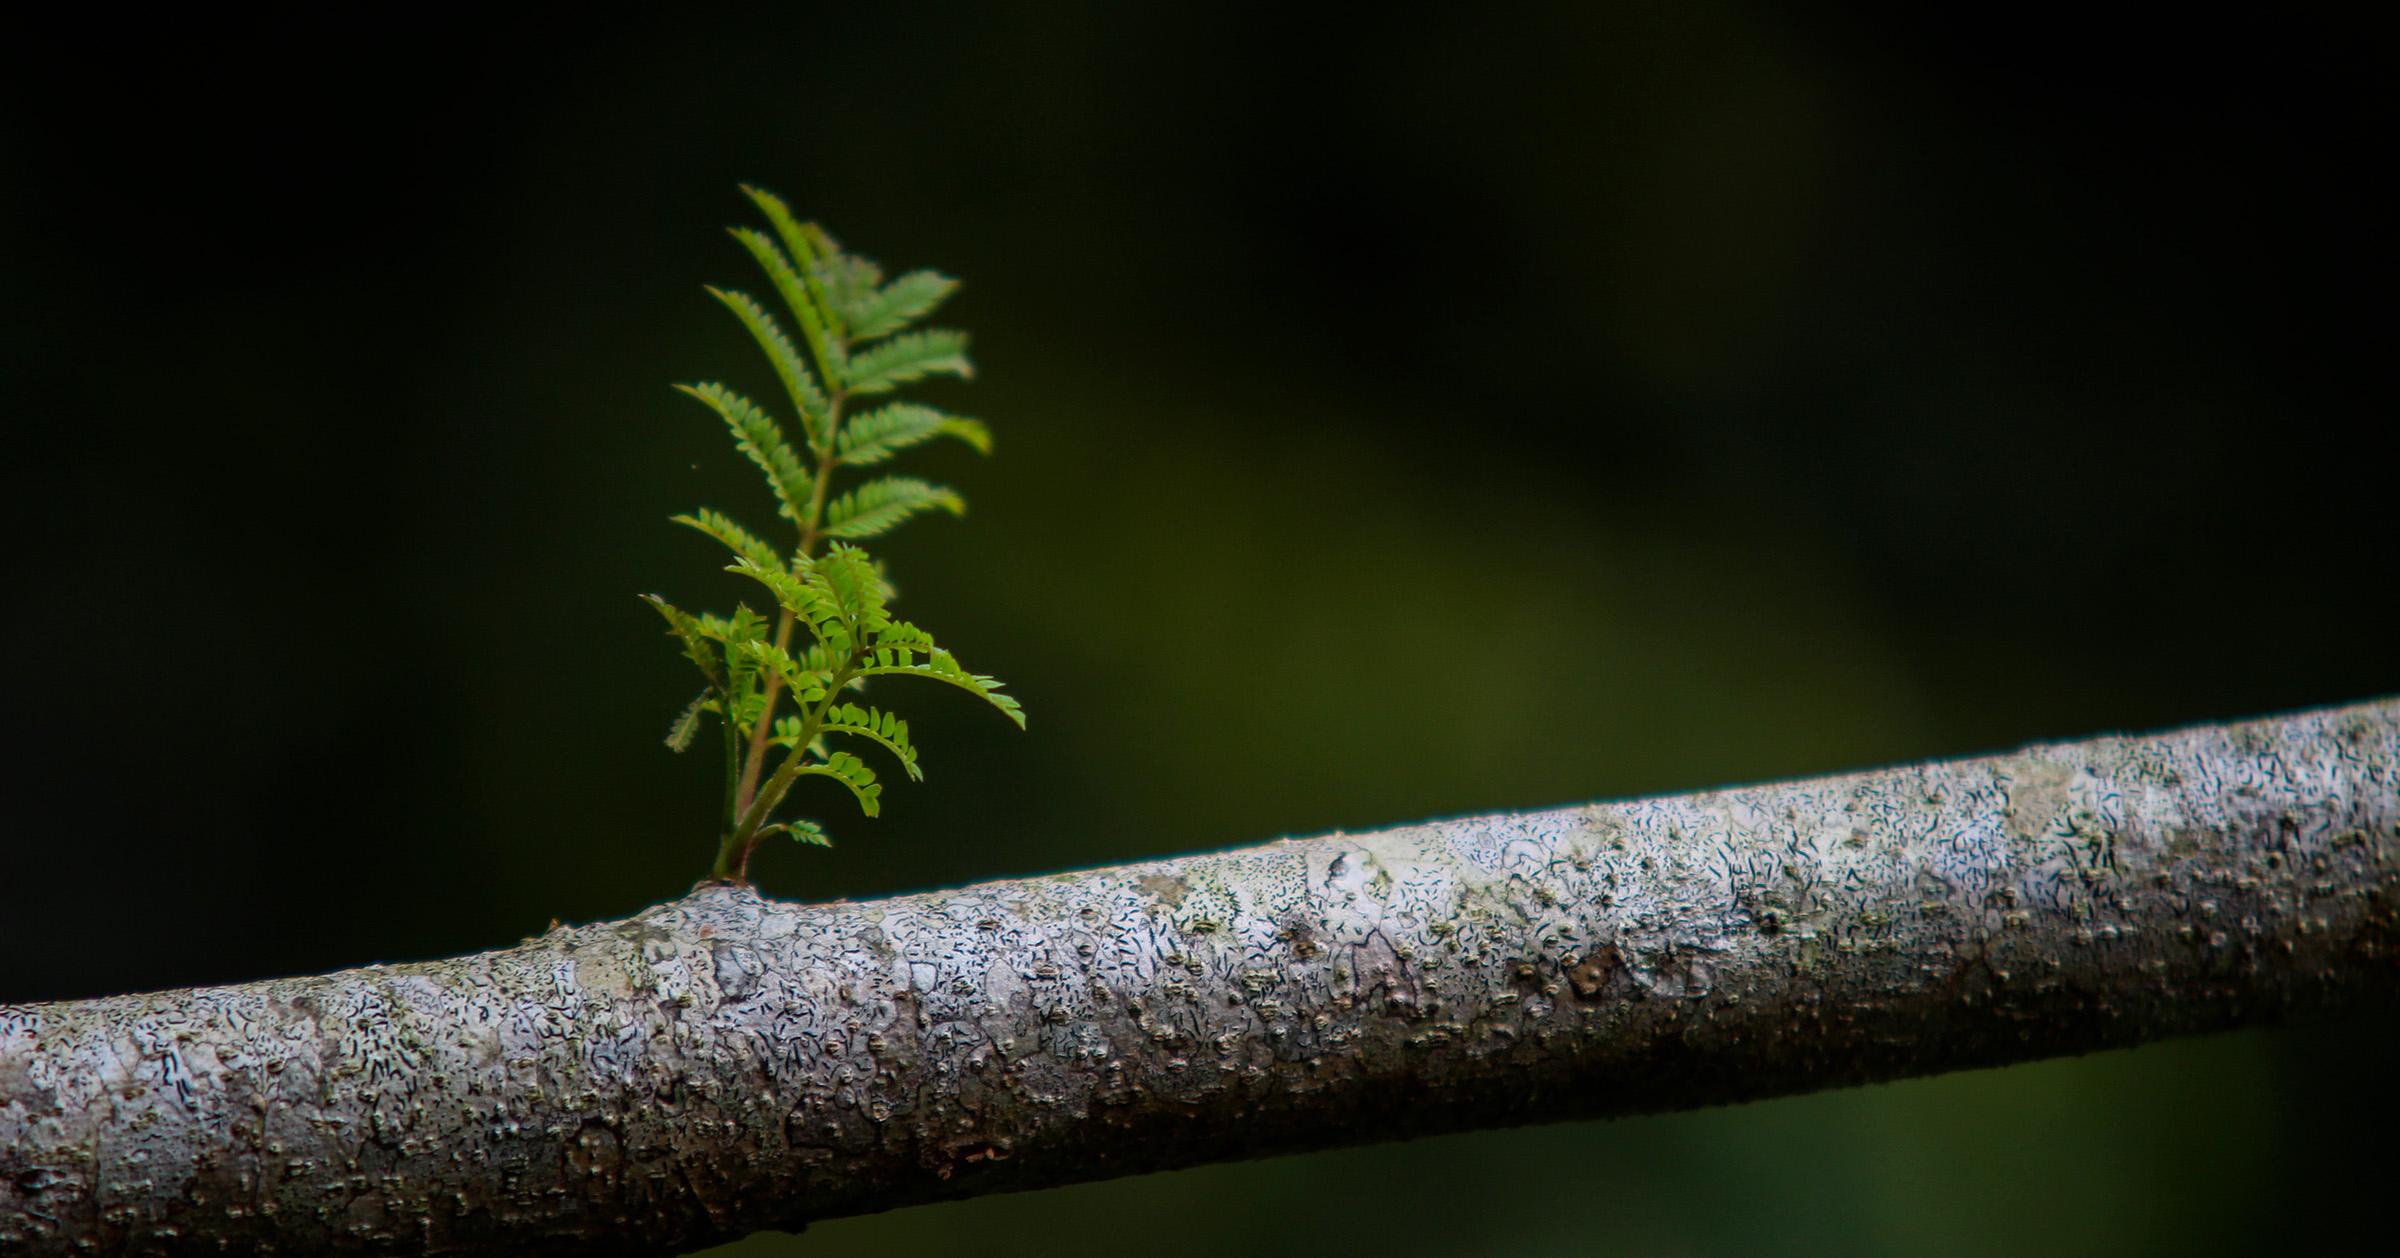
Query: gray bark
[724,1063]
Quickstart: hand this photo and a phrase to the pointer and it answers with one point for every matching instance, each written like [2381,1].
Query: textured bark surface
[724,1062]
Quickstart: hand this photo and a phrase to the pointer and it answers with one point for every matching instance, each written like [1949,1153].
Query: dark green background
[1402,414]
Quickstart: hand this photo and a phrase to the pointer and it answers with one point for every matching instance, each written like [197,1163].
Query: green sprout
[861,343]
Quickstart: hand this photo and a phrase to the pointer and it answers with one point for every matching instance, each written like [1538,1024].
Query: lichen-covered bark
[725,1062]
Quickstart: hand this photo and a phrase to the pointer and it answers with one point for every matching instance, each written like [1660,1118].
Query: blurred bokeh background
[1401,413]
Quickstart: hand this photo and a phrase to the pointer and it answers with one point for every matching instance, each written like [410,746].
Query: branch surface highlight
[724,1063]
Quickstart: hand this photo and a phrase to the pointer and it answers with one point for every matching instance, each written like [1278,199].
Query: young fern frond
[774,691]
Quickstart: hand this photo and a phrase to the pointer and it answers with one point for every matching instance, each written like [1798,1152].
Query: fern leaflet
[885,431]
[814,252]
[742,542]
[758,435]
[908,357]
[805,304]
[883,504]
[687,726]
[798,381]
[695,643]
[852,772]
[896,305]
[878,727]
[940,666]
[808,685]
[808,832]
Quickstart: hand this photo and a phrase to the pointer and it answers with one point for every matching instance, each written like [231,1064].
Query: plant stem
[757,755]
[733,752]
[751,803]
[744,839]
[733,850]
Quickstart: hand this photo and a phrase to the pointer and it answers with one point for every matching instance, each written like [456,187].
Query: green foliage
[758,435]
[881,433]
[909,357]
[799,383]
[898,304]
[876,726]
[852,772]
[741,541]
[687,726]
[881,505]
[784,693]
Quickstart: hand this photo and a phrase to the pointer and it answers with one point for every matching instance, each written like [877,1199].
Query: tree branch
[725,1063]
